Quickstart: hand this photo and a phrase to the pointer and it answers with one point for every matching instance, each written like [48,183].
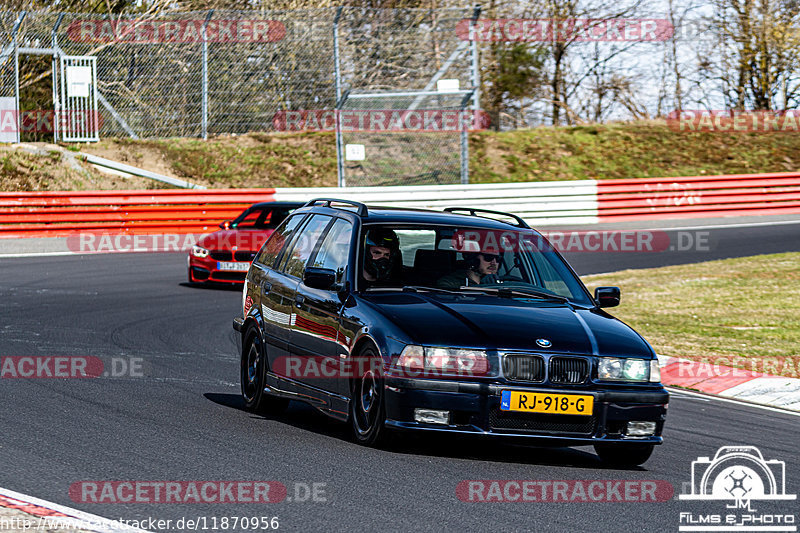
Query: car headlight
[627,369]
[655,371]
[418,360]
[198,251]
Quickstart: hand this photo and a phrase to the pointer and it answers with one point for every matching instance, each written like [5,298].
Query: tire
[624,454]
[367,407]
[253,372]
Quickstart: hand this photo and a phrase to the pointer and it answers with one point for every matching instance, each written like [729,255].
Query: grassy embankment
[742,312]
[631,150]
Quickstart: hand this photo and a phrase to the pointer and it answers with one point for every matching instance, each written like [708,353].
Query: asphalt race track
[180,417]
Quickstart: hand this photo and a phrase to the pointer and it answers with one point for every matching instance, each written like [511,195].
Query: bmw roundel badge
[544,343]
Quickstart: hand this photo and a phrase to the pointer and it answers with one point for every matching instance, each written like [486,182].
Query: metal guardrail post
[204,110]
[337,81]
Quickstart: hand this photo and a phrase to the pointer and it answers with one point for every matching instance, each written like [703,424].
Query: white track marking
[82,520]
[708,397]
[40,254]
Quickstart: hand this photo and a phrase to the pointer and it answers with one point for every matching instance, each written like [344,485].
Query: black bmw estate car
[463,321]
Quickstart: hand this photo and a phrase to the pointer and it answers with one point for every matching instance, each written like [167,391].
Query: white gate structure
[76,111]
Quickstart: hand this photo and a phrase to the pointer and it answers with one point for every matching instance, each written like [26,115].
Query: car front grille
[524,367]
[541,423]
[220,256]
[568,370]
[244,256]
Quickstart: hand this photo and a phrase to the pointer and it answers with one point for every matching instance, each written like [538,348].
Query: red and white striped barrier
[592,201]
[698,196]
[50,214]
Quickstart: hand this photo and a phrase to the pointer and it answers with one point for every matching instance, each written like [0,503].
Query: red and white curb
[55,516]
[731,382]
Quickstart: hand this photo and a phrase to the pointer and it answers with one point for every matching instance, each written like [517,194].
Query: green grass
[625,150]
[742,312]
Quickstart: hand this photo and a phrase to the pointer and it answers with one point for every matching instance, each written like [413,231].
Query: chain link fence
[199,74]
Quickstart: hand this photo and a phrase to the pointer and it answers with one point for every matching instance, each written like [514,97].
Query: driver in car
[383,251]
[481,269]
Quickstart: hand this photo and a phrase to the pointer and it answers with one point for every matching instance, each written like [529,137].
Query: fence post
[55,62]
[475,80]
[204,118]
[465,137]
[475,73]
[337,81]
[17,26]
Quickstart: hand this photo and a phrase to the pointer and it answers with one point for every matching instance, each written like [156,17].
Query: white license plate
[238,266]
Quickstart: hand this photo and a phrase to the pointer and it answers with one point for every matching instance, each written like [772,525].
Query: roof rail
[326,202]
[473,211]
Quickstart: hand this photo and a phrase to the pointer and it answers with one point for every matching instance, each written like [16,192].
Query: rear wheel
[253,377]
[367,408]
[624,454]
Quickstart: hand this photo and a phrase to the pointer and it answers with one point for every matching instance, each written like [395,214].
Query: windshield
[517,263]
[261,218]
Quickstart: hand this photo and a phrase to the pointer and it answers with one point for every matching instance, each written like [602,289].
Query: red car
[225,255]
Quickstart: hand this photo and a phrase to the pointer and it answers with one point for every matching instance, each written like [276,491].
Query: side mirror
[225,225]
[607,296]
[320,278]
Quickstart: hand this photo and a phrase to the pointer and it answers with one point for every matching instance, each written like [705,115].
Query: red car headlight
[198,251]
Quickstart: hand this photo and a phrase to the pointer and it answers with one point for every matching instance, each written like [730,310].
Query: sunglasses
[491,257]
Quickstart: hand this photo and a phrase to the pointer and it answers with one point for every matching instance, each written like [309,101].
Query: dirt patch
[138,154]
[254,160]
[51,171]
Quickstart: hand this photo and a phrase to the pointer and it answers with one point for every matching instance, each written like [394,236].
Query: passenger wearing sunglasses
[481,269]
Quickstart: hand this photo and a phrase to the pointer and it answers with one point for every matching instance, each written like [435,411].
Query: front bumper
[475,409]
[203,269]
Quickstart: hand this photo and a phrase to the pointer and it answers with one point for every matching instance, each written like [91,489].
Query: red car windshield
[261,218]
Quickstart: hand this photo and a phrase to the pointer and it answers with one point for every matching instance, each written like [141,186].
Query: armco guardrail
[698,196]
[49,214]
[567,202]
[58,214]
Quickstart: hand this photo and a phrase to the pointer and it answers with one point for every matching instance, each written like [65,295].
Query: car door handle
[298,300]
[266,286]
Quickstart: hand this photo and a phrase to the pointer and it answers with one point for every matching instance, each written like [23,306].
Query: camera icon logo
[738,473]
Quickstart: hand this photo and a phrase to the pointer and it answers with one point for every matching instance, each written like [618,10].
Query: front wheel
[624,454]
[253,377]
[367,408]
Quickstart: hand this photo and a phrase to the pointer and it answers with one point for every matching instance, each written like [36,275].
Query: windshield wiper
[508,292]
[412,288]
[417,288]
